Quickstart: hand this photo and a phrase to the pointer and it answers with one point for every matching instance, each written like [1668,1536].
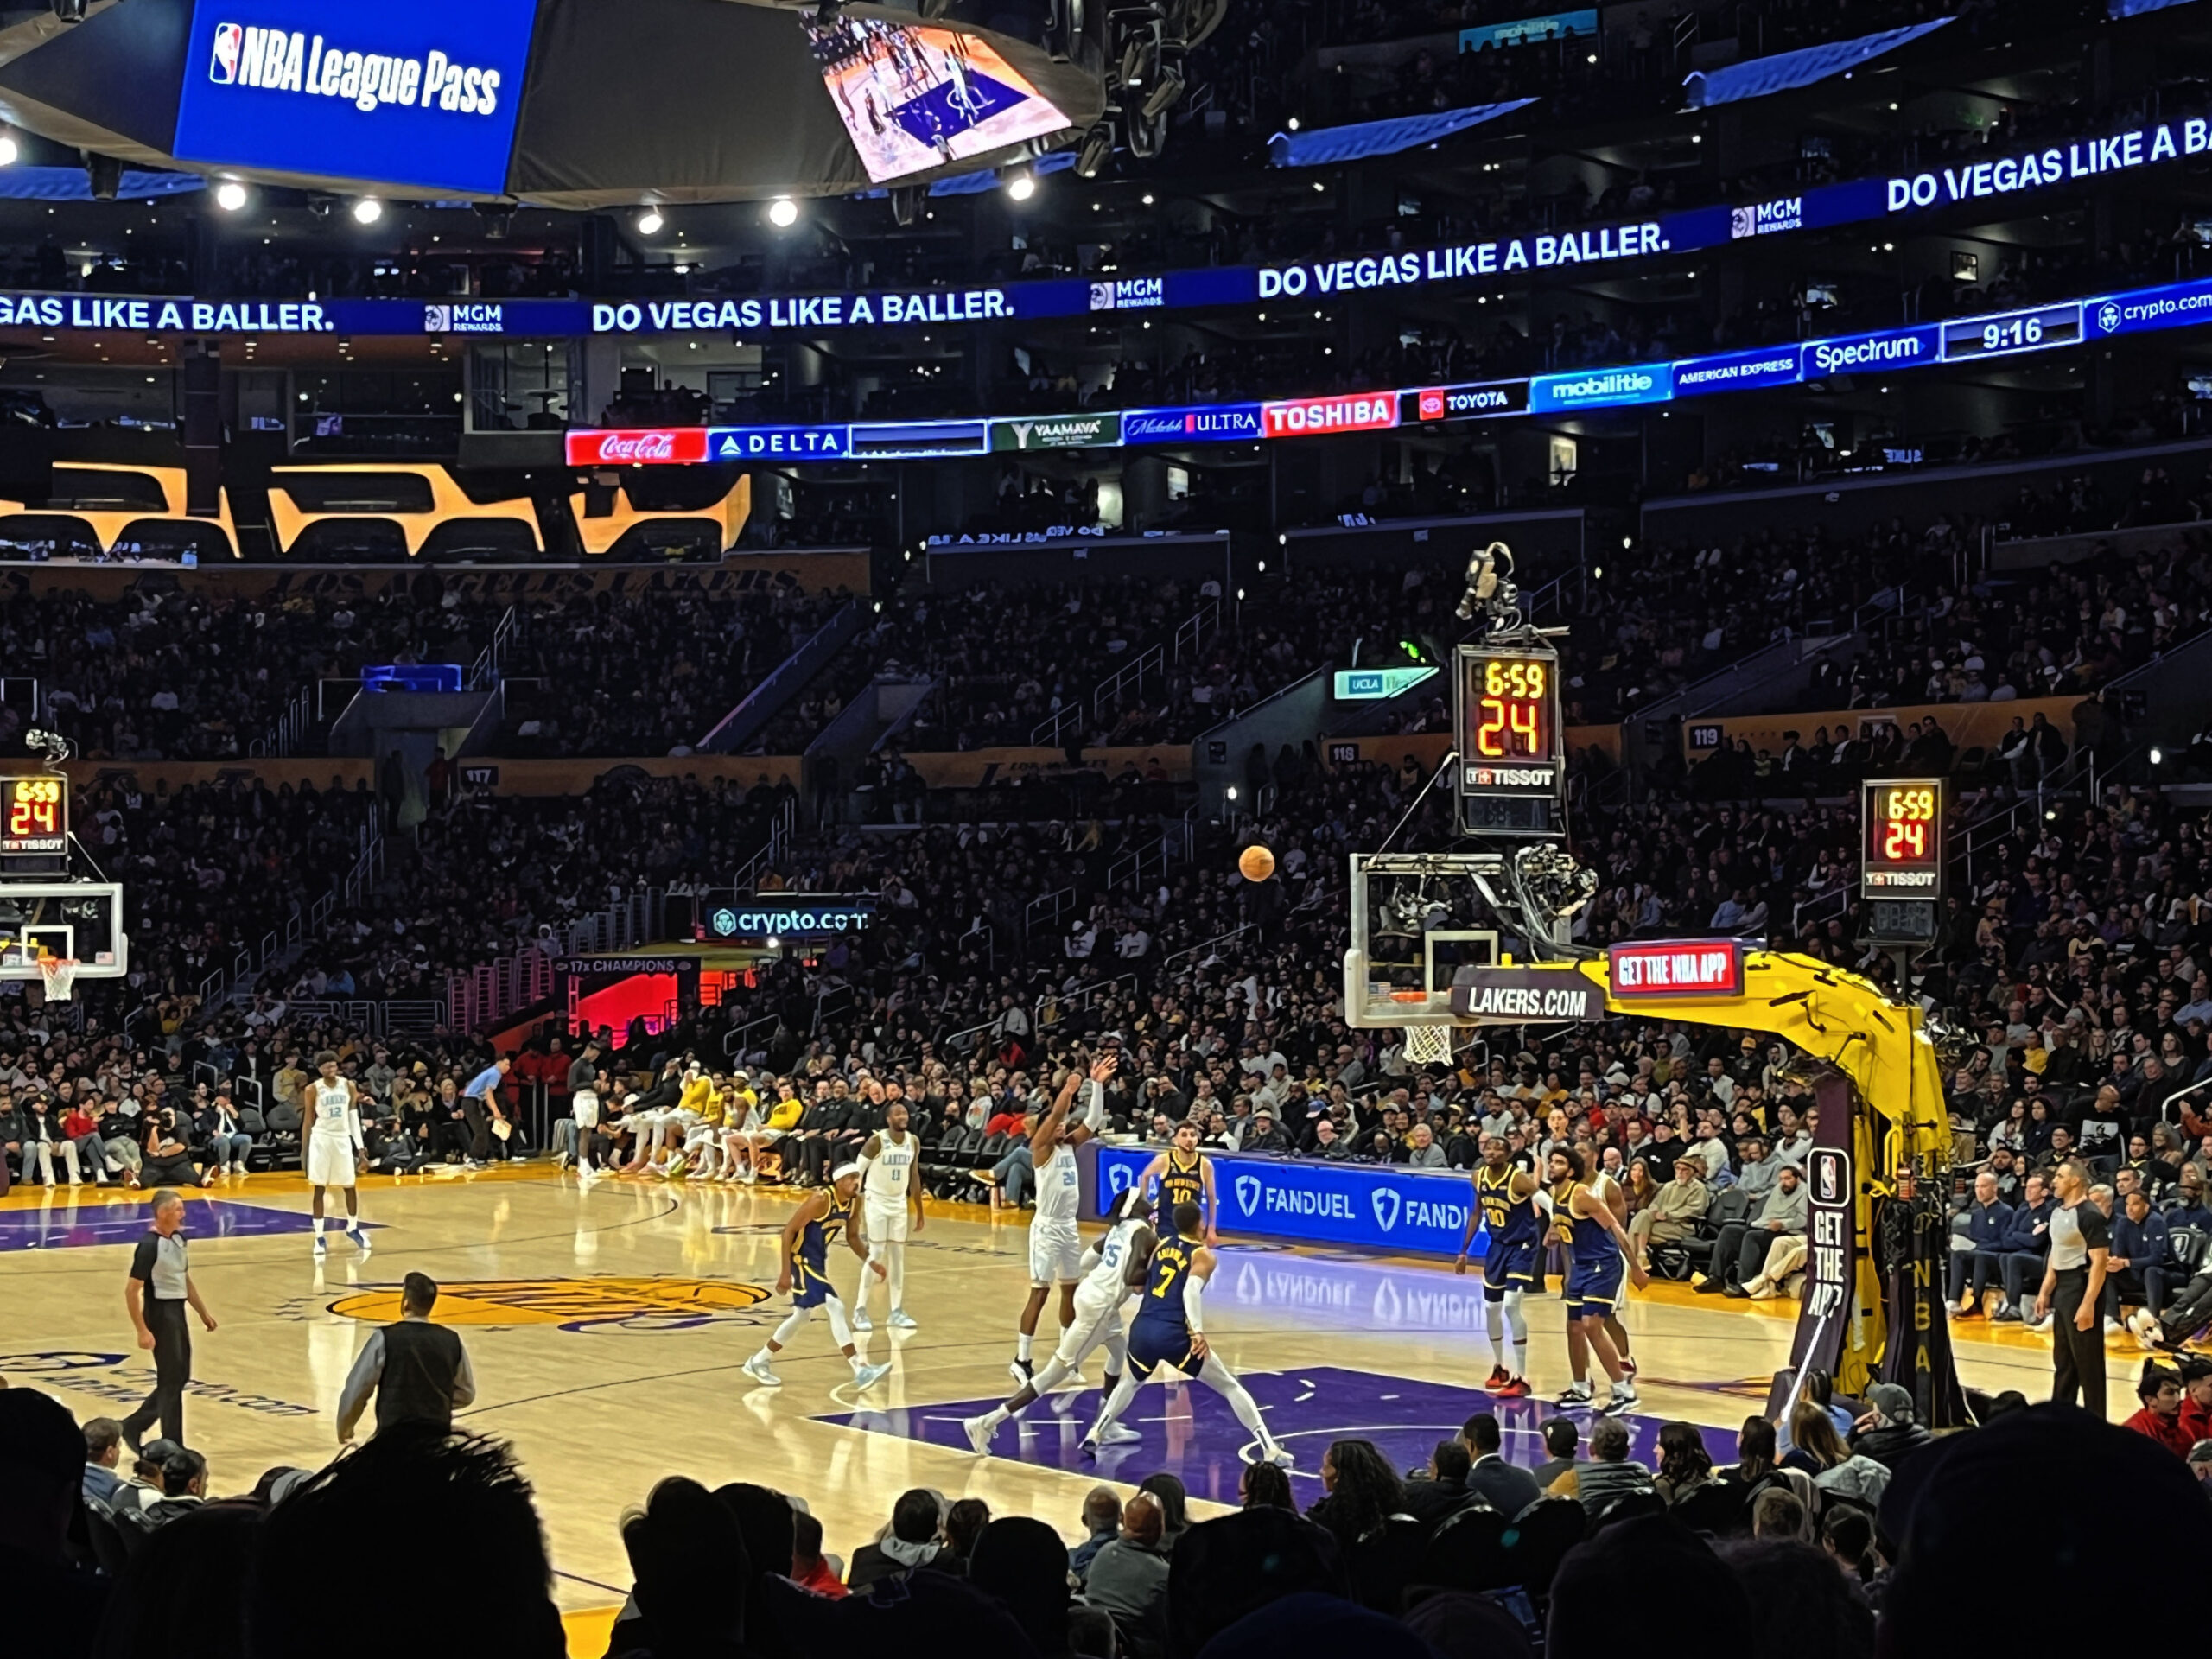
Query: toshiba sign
[1362,412]
[681,445]
[1676,968]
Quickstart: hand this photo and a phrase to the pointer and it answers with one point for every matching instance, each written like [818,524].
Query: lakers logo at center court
[571,1304]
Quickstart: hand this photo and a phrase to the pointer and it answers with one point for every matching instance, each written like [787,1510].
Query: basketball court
[607,1329]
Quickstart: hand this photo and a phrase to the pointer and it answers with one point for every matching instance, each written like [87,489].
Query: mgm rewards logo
[655,1304]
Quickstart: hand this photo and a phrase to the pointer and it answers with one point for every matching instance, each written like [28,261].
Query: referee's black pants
[2077,1356]
[172,1371]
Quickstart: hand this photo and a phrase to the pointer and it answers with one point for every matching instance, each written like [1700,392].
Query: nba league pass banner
[418,93]
[1375,1206]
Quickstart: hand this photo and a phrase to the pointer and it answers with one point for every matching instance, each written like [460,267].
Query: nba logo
[225,69]
[1831,1176]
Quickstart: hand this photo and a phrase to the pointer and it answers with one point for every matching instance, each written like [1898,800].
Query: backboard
[1417,918]
[78,919]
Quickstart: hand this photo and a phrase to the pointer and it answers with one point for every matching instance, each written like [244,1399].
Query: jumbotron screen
[915,98]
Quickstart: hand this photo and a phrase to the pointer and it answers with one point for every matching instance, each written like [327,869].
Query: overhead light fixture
[229,196]
[368,210]
[649,222]
[10,151]
[1021,187]
[783,213]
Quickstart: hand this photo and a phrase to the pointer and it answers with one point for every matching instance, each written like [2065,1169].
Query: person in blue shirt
[1987,1219]
[2138,1266]
[2024,1247]
[480,1105]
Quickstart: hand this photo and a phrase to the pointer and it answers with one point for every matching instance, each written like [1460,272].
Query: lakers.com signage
[1375,1206]
[404,91]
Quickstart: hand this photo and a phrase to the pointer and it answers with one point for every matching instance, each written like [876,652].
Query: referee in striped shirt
[158,1291]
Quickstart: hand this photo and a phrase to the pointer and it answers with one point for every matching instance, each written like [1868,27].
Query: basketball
[1257,863]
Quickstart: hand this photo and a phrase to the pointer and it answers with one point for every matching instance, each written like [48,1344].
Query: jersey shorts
[1055,1252]
[1510,1266]
[1155,1343]
[1593,1287]
[330,1160]
[1097,1320]
[886,1219]
[583,1106]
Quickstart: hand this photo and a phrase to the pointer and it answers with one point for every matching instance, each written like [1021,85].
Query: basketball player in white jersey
[1055,1246]
[1107,1285]
[891,1207]
[332,1136]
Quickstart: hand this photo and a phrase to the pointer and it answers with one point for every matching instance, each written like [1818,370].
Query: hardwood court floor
[607,1329]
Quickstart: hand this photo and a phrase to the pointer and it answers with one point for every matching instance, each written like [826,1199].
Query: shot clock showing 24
[1512,768]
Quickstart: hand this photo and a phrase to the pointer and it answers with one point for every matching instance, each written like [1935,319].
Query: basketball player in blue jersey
[1169,1329]
[1507,1199]
[1601,1254]
[1186,1176]
[805,1250]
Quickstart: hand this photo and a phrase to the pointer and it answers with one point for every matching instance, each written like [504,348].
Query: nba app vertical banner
[1840,1294]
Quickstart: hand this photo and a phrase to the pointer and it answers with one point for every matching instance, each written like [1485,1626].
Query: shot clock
[1902,857]
[34,815]
[1512,772]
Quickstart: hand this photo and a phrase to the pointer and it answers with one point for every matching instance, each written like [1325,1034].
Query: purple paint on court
[1190,1432]
[75,1225]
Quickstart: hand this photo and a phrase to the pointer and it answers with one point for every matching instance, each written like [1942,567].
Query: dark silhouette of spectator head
[683,1547]
[1948,1509]
[501,1603]
[1481,1435]
[1175,1504]
[1450,1460]
[197,1562]
[46,1461]
[1265,1486]
[1226,1568]
[769,1523]
[1561,1436]
[1645,1563]
[1023,1563]
[184,1474]
[1458,1624]
[964,1524]
[917,1515]
[1313,1623]
[1802,1604]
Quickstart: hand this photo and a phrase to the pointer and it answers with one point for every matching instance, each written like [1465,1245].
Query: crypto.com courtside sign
[417,92]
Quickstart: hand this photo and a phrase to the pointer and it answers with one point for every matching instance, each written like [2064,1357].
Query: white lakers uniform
[886,1187]
[1098,1299]
[330,1145]
[1055,1247]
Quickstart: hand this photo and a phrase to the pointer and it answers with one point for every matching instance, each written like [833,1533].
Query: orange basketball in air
[1257,863]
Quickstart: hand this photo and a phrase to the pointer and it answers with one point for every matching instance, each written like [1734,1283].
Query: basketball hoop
[1428,1045]
[60,973]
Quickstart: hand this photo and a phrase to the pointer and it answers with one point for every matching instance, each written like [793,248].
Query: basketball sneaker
[1021,1370]
[861,1320]
[1280,1459]
[1623,1398]
[902,1320]
[322,1247]
[757,1369]
[867,1376]
[978,1431]
[1576,1394]
[1514,1388]
[1118,1434]
[1499,1376]
[360,1239]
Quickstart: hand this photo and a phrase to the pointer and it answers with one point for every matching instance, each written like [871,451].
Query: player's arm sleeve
[1091,1258]
[1095,1118]
[1194,1304]
[361,1381]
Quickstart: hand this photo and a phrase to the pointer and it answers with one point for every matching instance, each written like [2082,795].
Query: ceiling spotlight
[10,151]
[649,222]
[368,210]
[1021,187]
[229,196]
[783,212]
[1292,123]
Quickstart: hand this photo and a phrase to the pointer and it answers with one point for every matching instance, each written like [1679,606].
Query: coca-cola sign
[666,446]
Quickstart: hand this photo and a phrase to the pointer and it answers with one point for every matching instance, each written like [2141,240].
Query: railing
[1172,968]
[484,672]
[734,1042]
[288,731]
[1052,1007]
[1556,597]
[1045,910]
[1139,866]
[793,671]
[781,828]
[11,688]
[1189,637]
[493,991]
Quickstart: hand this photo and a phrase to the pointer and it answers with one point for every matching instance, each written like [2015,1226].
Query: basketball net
[60,973]
[1428,1045]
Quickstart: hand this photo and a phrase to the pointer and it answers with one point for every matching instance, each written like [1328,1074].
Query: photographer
[167,1155]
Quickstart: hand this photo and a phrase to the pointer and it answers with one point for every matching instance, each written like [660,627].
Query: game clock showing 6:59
[1901,862]
[1512,778]
[34,815]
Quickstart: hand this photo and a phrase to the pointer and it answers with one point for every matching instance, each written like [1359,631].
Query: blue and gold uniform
[1594,1275]
[1516,1239]
[811,1285]
[1160,1334]
[1179,1183]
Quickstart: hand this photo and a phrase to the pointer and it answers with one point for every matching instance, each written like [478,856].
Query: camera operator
[168,1156]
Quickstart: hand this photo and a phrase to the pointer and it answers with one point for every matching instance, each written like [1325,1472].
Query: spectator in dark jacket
[1435,1500]
[2027,1241]
[1987,1219]
[2138,1269]
[1887,1433]
[909,1543]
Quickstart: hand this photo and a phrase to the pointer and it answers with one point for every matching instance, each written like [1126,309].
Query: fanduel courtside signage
[404,92]
[1374,1205]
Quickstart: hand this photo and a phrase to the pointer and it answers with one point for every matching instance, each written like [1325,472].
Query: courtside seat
[2188,1245]
[1468,1551]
